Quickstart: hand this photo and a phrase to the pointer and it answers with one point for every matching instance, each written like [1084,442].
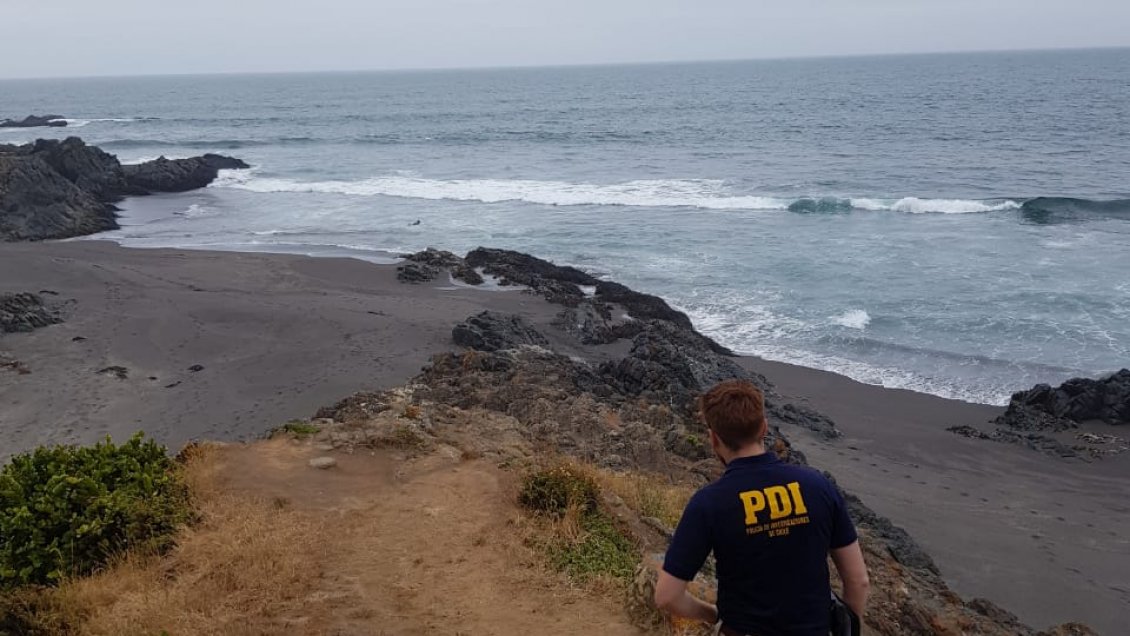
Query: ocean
[953,224]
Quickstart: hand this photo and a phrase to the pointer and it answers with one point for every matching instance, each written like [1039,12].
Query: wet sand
[279,336]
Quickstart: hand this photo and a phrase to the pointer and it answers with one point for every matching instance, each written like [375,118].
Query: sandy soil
[428,546]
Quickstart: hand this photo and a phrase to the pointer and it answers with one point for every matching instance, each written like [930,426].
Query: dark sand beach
[275,337]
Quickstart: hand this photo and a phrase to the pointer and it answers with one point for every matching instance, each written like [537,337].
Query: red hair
[735,411]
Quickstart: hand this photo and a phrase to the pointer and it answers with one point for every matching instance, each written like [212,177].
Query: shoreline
[280,336]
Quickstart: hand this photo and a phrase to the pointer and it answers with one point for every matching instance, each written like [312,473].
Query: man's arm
[853,573]
[671,596]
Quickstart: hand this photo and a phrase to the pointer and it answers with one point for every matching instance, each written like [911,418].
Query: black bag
[844,621]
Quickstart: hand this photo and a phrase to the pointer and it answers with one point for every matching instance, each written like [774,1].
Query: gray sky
[40,38]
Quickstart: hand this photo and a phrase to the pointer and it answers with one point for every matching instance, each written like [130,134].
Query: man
[771,526]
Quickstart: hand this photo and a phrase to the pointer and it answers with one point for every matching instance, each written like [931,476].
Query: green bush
[554,490]
[67,510]
[299,428]
[603,550]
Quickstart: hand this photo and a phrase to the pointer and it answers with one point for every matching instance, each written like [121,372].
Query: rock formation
[58,189]
[1076,401]
[34,121]
[179,175]
[1035,415]
[491,331]
[24,312]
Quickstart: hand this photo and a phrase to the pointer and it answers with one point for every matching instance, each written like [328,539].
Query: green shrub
[552,491]
[602,550]
[299,428]
[67,510]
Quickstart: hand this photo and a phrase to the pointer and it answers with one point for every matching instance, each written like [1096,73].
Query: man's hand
[671,596]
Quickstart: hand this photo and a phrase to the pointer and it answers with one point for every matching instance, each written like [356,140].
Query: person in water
[771,527]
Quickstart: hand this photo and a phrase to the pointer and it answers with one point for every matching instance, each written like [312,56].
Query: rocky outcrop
[36,202]
[35,121]
[54,189]
[1038,417]
[24,312]
[556,283]
[1078,400]
[431,262]
[565,405]
[491,331]
[413,272]
[179,175]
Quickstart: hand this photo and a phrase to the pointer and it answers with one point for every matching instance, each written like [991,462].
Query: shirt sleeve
[691,544]
[843,530]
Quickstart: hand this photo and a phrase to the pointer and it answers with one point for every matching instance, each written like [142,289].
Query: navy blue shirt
[770,526]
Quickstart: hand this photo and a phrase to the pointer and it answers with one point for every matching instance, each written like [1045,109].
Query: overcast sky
[40,38]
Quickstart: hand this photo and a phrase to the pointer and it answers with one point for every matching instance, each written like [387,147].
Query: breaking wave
[709,194]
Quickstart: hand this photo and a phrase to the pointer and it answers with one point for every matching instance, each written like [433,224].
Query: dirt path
[421,546]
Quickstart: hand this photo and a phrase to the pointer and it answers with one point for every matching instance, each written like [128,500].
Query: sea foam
[709,194]
[853,319]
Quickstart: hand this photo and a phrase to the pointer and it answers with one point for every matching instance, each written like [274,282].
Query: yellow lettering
[754,503]
[798,501]
[780,505]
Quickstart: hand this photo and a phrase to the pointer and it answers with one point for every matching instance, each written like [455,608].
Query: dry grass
[243,569]
[648,495]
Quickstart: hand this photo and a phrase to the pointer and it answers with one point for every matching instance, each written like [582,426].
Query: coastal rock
[674,365]
[556,283]
[179,175]
[35,121]
[592,320]
[54,189]
[436,258]
[1071,403]
[442,259]
[490,331]
[36,202]
[1035,441]
[24,312]
[413,272]
[88,167]
[592,323]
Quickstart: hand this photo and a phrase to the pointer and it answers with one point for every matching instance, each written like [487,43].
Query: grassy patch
[578,536]
[649,495]
[601,550]
[299,429]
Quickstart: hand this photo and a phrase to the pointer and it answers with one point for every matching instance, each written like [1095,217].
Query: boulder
[674,365]
[442,259]
[491,331]
[1075,401]
[413,272]
[54,189]
[36,203]
[88,167]
[24,312]
[179,175]
[35,121]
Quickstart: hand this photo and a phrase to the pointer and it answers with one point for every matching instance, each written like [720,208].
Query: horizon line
[566,65]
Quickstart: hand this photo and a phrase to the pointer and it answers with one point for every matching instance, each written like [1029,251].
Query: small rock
[322,463]
[119,372]
[196,368]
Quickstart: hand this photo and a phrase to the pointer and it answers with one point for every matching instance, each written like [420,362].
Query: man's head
[734,411]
